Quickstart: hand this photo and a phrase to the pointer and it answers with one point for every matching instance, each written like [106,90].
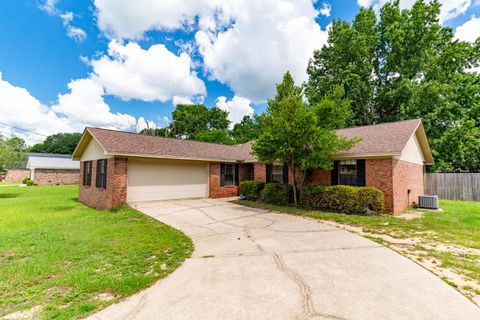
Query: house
[46,169]
[119,167]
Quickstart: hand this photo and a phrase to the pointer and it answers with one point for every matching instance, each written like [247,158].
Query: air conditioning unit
[428,202]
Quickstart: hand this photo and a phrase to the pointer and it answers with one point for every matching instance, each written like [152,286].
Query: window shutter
[105,174]
[268,171]
[236,174]
[361,173]
[97,173]
[222,174]
[285,173]
[334,174]
[84,164]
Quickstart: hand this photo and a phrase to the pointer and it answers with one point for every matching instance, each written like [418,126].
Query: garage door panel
[151,179]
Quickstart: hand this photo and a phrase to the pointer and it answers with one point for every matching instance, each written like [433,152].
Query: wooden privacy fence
[453,186]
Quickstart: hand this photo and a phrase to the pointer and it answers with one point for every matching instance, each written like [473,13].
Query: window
[87,173]
[228,174]
[101,181]
[277,173]
[347,172]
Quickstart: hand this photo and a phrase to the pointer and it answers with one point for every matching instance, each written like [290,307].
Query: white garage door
[151,179]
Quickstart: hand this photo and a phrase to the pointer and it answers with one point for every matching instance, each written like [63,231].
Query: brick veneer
[406,176]
[215,190]
[17,175]
[116,192]
[56,177]
[260,172]
[379,174]
[319,176]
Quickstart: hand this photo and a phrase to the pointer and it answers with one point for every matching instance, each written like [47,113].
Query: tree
[11,152]
[248,129]
[191,119]
[214,136]
[405,66]
[299,134]
[61,143]
[196,122]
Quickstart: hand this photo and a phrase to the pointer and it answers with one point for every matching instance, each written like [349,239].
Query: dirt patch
[23,315]
[105,296]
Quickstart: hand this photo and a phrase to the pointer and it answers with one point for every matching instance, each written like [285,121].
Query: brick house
[118,167]
[46,169]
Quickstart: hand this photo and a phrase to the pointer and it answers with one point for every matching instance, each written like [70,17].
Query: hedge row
[345,199]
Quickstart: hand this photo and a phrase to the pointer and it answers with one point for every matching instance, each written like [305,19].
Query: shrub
[252,190]
[345,199]
[28,182]
[277,193]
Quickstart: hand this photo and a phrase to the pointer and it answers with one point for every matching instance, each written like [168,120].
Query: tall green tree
[405,66]
[61,143]
[299,134]
[11,152]
[248,129]
[191,119]
[196,122]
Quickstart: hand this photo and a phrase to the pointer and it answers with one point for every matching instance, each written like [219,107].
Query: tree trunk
[294,180]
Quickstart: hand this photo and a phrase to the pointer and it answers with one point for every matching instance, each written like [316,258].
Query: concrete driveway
[252,264]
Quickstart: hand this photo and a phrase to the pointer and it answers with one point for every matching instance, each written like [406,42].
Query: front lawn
[447,242]
[61,260]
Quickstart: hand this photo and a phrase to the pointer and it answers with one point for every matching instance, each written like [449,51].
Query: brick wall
[215,190]
[406,176]
[44,177]
[17,175]
[379,174]
[319,176]
[260,172]
[116,192]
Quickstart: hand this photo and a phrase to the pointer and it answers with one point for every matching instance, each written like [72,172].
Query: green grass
[65,257]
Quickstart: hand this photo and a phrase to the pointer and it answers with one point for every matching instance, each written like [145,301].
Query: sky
[121,64]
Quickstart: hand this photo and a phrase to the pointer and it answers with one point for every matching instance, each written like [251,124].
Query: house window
[101,181]
[87,173]
[277,173]
[347,172]
[228,174]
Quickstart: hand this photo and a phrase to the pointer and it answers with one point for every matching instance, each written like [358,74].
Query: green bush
[277,193]
[345,199]
[252,190]
[28,182]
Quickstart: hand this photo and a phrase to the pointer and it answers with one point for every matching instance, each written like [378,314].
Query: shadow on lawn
[9,195]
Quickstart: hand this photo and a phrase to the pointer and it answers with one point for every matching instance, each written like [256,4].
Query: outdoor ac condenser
[428,202]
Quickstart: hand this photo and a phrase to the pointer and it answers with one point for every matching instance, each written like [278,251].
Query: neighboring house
[47,169]
[119,167]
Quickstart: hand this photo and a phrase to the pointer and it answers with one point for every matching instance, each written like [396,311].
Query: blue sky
[50,48]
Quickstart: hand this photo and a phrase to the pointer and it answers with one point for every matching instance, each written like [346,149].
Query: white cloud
[181,100]
[82,106]
[237,108]
[267,39]
[325,9]
[73,32]
[126,19]
[245,44]
[450,8]
[469,31]
[130,72]
[18,108]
